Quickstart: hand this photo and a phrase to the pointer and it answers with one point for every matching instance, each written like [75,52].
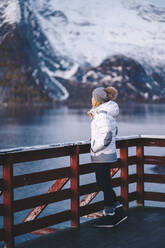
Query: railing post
[140,174]
[8,205]
[124,175]
[74,184]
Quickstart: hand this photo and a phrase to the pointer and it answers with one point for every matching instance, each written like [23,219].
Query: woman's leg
[103,179]
[113,210]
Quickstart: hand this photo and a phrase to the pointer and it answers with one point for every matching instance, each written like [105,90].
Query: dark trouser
[103,180]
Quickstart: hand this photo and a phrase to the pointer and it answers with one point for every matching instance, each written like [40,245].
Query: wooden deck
[145,227]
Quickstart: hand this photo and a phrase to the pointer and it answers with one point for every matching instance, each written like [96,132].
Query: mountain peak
[72,39]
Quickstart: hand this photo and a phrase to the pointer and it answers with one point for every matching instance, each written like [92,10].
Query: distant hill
[124,73]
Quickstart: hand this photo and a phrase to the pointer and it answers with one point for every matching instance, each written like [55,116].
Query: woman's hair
[111,93]
[95,103]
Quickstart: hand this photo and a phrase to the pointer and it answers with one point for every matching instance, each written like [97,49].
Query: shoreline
[70,104]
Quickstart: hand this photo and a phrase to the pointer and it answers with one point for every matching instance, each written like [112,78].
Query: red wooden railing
[11,158]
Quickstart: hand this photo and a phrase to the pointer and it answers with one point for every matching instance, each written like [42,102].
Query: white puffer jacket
[103,132]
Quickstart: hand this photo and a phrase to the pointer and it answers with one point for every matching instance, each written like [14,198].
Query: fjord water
[40,126]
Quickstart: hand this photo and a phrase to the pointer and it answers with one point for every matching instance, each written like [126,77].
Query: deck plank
[145,227]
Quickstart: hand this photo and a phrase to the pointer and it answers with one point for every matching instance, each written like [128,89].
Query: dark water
[39,126]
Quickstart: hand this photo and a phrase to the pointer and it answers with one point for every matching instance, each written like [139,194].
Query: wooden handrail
[41,177]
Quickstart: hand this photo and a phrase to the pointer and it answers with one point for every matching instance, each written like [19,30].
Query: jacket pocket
[108,139]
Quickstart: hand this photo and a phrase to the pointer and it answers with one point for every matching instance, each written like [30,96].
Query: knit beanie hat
[102,94]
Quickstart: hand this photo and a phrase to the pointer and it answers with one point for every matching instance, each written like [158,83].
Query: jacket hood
[110,107]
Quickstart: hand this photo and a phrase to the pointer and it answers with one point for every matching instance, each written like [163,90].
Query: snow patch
[89,74]
[107,35]
[148,85]
[132,87]
[11,12]
[51,74]
[66,74]
[155,97]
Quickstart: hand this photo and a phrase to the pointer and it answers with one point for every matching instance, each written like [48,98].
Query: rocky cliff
[17,85]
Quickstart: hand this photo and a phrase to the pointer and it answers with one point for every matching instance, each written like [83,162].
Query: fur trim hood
[110,107]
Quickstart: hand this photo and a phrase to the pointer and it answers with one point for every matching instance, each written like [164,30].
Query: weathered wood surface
[144,228]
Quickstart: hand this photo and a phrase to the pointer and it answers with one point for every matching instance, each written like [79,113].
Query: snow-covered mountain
[69,38]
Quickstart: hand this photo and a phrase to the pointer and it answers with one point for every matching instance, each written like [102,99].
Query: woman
[103,150]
